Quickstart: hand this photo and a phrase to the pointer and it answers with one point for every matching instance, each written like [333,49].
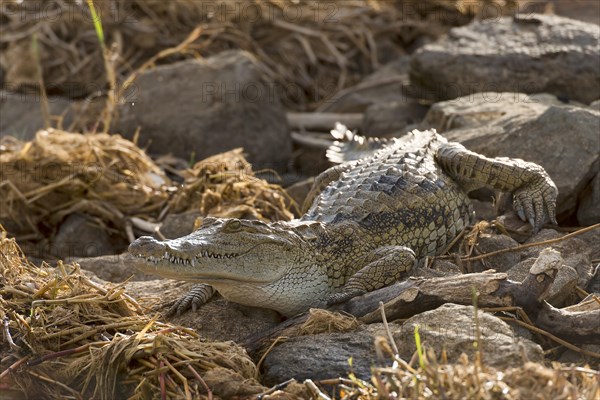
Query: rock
[201,107]
[530,53]
[574,251]
[588,212]
[573,357]
[111,268]
[299,190]
[322,356]
[595,105]
[381,87]
[218,319]
[78,236]
[519,126]
[592,240]
[452,328]
[487,243]
[562,290]
[178,225]
[22,113]
[392,119]
[594,283]
[446,267]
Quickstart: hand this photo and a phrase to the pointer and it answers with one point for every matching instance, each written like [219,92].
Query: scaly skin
[369,223]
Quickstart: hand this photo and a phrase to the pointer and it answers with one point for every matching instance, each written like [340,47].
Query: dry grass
[324,321]
[224,185]
[435,378]
[67,337]
[111,180]
[60,173]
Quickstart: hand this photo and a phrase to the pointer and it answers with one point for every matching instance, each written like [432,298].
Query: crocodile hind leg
[385,266]
[199,295]
[534,193]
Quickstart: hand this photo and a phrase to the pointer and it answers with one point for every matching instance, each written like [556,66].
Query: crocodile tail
[350,146]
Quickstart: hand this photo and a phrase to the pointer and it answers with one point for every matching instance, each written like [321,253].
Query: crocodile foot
[536,202]
[196,297]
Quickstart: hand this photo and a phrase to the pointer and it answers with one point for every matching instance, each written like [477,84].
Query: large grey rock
[21,113]
[563,139]
[450,327]
[207,106]
[529,53]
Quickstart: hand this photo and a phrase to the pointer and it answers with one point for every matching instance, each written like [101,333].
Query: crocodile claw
[536,202]
[195,298]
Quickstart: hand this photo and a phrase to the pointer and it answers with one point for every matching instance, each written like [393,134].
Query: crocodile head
[224,252]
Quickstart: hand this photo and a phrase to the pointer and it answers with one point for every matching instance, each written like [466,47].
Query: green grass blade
[97,22]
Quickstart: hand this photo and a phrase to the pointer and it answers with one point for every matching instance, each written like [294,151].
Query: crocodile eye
[234,225]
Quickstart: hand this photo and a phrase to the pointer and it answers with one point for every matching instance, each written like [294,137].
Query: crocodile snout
[147,246]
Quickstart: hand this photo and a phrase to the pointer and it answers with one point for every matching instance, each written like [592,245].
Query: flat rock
[111,268]
[532,128]
[452,328]
[197,108]
[217,320]
[529,53]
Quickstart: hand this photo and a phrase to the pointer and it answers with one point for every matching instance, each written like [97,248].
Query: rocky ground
[525,87]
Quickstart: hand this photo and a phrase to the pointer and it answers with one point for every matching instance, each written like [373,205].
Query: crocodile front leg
[534,193]
[385,266]
[199,295]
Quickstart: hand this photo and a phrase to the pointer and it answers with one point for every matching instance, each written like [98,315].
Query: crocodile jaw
[222,251]
[205,265]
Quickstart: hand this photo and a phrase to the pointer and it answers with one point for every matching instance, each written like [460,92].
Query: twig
[8,336]
[14,366]
[202,382]
[277,340]
[316,392]
[552,337]
[275,388]
[526,246]
[387,329]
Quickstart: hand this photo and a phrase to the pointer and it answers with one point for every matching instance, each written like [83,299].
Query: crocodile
[370,221]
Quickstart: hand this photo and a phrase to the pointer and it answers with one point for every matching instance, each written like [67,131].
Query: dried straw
[59,173]
[67,337]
